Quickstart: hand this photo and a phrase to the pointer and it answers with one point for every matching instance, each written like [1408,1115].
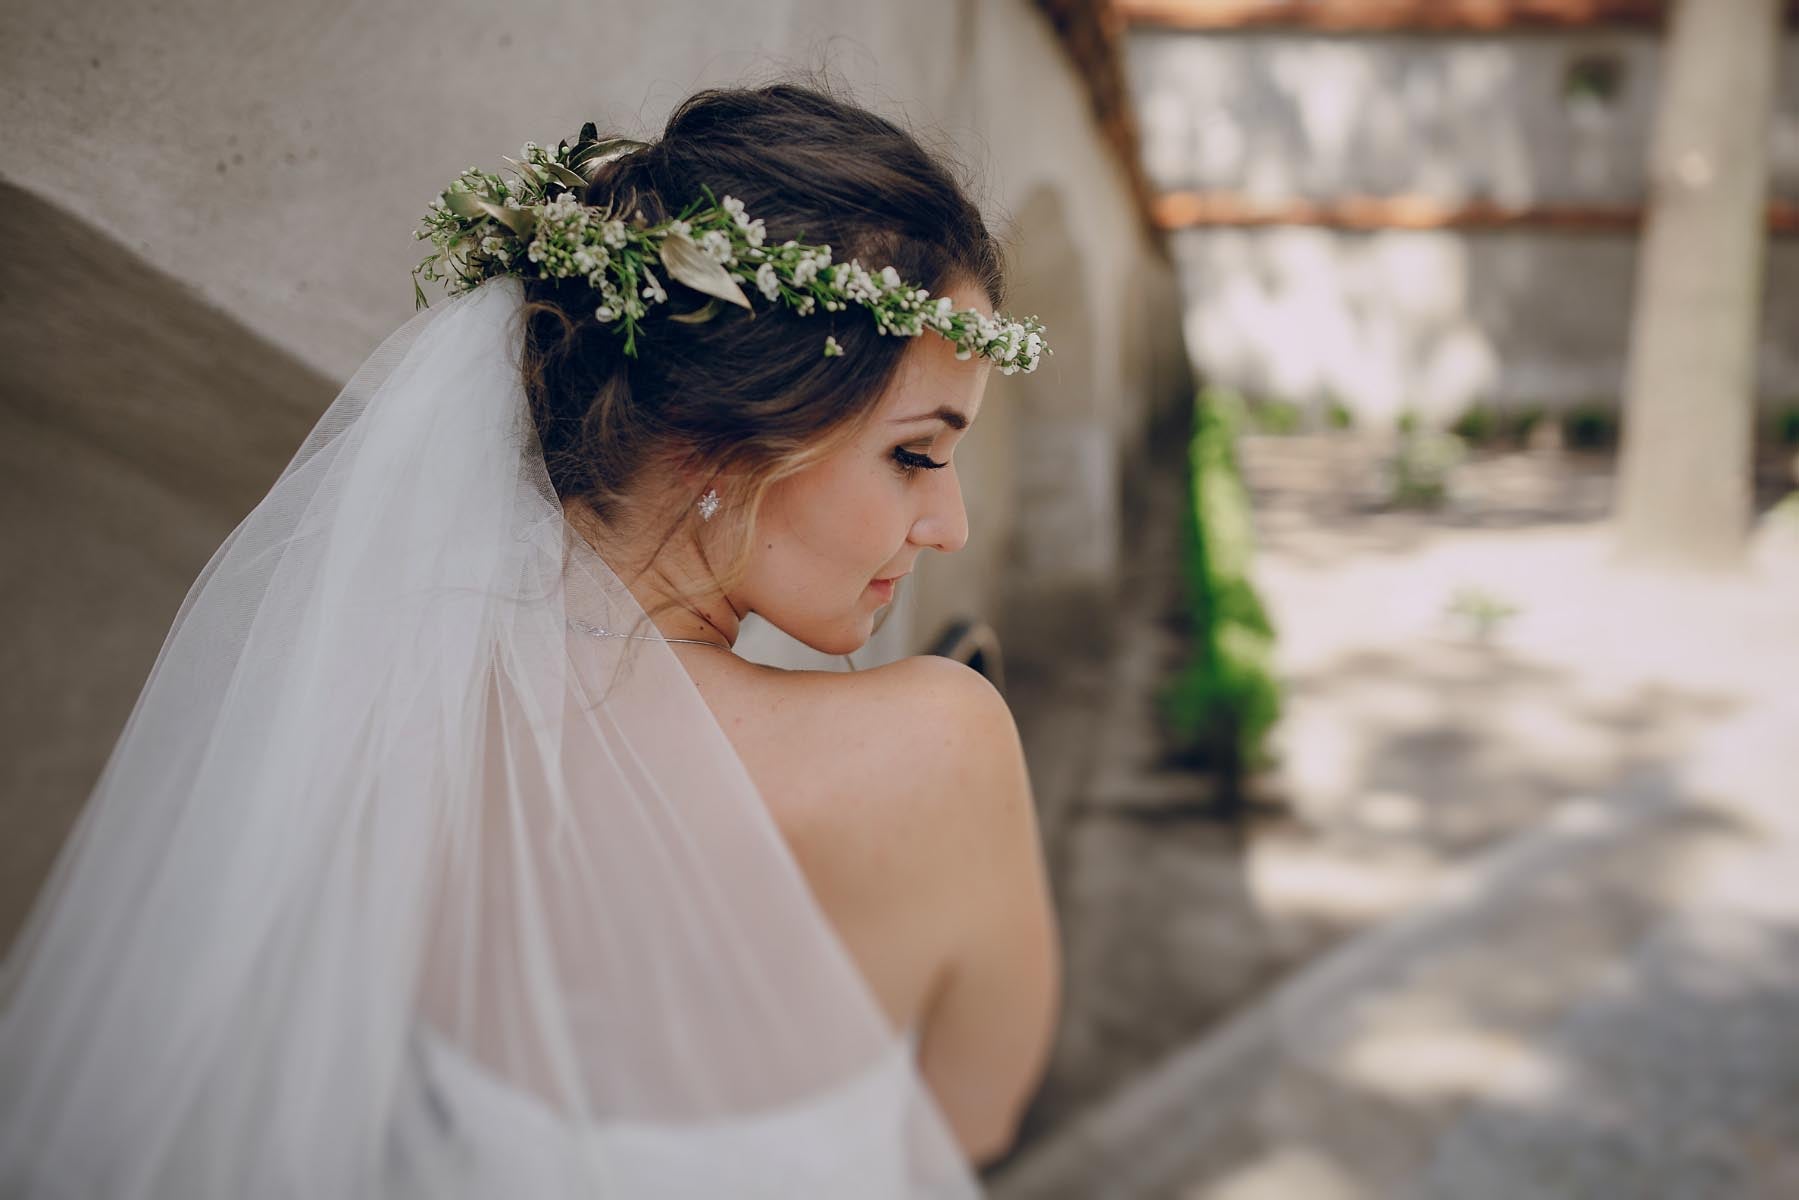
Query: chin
[839,641]
[844,637]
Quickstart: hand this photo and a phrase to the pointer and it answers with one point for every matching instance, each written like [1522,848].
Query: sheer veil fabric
[399,884]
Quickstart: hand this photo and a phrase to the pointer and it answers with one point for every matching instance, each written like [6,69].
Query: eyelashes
[910,461]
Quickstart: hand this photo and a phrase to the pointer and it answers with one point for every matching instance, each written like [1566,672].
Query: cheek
[848,520]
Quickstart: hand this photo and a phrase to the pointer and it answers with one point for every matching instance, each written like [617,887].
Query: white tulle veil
[398,883]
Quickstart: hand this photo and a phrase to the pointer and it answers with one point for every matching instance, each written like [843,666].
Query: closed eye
[910,461]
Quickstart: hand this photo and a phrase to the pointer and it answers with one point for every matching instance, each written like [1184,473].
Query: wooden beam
[1383,16]
[1231,210]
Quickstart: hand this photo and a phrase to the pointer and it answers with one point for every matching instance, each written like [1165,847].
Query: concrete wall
[238,185]
[1431,320]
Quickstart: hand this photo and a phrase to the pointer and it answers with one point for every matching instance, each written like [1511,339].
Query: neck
[672,584]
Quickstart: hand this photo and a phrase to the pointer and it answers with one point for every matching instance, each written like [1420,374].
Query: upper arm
[988,1027]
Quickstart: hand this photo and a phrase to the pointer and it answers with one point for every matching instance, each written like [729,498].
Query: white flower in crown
[717,246]
[808,263]
[654,290]
[482,226]
[767,282]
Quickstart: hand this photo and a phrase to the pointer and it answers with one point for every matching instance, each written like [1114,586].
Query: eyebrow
[946,414]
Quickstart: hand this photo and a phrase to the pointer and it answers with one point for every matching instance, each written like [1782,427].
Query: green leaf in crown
[536,226]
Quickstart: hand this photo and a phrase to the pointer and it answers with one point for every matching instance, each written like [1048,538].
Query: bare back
[902,792]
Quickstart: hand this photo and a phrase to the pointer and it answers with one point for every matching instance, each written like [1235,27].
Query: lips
[884,587]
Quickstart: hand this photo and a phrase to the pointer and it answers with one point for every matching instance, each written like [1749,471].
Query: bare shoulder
[936,703]
[915,733]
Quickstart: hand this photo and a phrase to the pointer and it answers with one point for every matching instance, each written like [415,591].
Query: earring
[708,504]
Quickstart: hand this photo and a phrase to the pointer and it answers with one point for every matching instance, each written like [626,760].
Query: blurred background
[1394,572]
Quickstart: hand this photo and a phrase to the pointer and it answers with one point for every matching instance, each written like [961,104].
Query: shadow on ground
[1416,743]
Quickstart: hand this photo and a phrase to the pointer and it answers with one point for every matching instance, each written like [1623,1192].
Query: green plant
[1522,422]
[1487,424]
[1275,416]
[1481,609]
[1406,423]
[1589,427]
[1418,472]
[1478,424]
[1338,416]
[1786,425]
[1221,705]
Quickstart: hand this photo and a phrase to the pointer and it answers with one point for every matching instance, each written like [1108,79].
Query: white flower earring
[708,504]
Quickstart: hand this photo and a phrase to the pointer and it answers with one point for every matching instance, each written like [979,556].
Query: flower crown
[484,226]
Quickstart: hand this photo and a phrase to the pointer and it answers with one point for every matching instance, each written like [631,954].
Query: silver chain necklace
[599,631]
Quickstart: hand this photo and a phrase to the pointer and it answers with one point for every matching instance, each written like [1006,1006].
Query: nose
[944,523]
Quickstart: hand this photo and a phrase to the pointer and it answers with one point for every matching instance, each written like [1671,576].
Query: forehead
[930,376]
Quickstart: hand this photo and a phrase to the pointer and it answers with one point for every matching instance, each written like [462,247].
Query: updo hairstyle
[748,393]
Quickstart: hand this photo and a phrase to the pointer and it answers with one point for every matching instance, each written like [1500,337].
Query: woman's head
[861,513]
[746,403]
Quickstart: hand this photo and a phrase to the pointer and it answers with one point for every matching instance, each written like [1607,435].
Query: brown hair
[749,394]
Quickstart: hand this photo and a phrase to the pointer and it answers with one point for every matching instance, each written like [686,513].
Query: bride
[450,850]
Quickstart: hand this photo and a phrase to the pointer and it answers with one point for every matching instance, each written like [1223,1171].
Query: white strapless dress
[470,1133]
